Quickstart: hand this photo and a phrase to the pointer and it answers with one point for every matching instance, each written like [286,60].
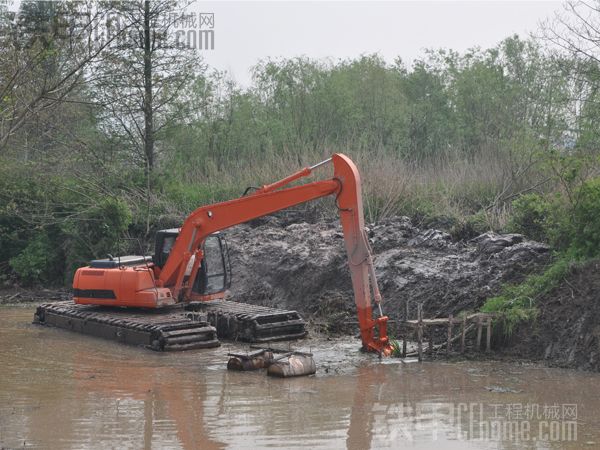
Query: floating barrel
[295,366]
[253,361]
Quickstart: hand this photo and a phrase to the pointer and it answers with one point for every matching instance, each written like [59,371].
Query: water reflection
[61,390]
[165,402]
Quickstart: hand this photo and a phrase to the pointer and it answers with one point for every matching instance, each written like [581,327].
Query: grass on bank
[519,303]
[570,222]
[450,189]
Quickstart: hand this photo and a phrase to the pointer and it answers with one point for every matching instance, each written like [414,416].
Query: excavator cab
[214,273]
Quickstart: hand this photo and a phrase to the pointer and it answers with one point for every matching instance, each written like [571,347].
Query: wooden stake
[431,340]
[463,334]
[420,332]
[449,345]
[404,342]
[488,344]
[479,324]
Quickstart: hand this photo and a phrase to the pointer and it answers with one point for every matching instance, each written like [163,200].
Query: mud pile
[303,266]
[567,330]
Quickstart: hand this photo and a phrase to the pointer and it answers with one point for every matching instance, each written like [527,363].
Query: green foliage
[511,312]
[12,242]
[449,140]
[469,227]
[517,303]
[444,105]
[39,263]
[533,216]
[567,221]
[586,219]
[97,233]
[571,222]
[396,348]
[50,225]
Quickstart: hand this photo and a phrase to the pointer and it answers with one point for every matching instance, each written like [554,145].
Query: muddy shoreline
[19,296]
[303,266]
[342,348]
[567,331]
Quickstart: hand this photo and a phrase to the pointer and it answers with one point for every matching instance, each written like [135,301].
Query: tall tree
[144,76]
[45,55]
[141,80]
[576,30]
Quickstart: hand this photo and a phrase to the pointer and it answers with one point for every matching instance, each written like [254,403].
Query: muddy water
[60,390]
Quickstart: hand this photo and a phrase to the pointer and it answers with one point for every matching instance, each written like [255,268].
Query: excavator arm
[345,185]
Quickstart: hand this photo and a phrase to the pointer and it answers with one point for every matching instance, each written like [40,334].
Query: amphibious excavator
[175,299]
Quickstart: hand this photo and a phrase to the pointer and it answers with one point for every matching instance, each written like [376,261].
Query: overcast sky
[246,32]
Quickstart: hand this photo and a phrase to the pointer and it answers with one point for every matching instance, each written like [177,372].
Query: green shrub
[469,227]
[39,262]
[531,216]
[586,219]
[97,233]
[12,241]
[545,218]
[572,226]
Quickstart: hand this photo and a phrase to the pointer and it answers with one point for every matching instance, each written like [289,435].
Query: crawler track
[164,330]
[198,325]
[251,323]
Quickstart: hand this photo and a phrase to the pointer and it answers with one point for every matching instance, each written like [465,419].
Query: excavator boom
[173,275]
[345,184]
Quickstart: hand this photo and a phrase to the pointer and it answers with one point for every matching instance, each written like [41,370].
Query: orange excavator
[190,269]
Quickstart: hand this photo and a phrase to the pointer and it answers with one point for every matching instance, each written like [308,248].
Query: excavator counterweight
[189,273]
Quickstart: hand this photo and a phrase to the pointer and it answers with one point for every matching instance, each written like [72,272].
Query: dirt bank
[304,266]
[18,295]
[567,330]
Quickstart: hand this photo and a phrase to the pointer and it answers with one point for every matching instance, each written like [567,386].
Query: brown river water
[60,390]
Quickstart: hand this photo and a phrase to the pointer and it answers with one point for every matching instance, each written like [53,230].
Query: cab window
[214,265]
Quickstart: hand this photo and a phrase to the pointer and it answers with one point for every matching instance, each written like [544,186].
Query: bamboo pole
[407,318]
[449,345]
[430,344]
[420,332]
[488,344]
[463,333]
[479,325]
[404,341]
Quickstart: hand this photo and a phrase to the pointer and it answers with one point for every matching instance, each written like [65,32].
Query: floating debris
[285,364]
[502,390]
[259,359]
[296,365]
